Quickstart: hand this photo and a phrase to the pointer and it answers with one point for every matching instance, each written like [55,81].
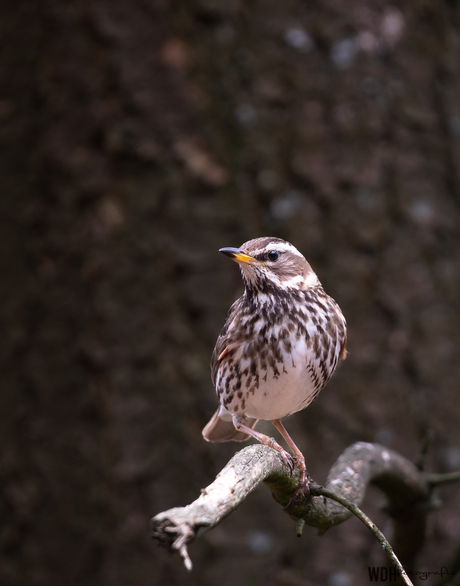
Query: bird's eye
[273,255]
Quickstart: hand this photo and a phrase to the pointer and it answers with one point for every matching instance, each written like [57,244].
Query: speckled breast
[280,369]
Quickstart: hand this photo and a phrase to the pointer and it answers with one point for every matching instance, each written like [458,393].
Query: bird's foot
[265,440]
[296,461]
[288,460]
[299,463]
[304,481]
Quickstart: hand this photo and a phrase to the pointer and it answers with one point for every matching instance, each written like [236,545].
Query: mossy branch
[407,490]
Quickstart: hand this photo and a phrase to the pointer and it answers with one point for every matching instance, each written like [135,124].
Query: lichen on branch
[407,491]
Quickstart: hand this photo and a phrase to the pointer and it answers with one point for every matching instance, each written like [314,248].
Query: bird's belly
[280,396]
[274,389]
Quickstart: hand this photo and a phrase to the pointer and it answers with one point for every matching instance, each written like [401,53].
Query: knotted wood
[407,490]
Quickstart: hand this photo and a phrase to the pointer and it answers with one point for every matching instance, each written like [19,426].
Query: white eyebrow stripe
[279,247]
[284,247]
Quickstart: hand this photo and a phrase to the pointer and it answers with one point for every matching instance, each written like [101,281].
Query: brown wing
[225,342]
[343,331]
[341,324]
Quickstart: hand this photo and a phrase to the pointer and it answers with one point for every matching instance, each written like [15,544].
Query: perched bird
[279,346]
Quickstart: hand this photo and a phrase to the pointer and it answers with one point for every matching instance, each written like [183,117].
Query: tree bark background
[137,138]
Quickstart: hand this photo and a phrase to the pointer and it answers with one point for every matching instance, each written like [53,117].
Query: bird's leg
[299,459]
[266,441]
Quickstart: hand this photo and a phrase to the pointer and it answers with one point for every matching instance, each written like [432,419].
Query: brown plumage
[279,346]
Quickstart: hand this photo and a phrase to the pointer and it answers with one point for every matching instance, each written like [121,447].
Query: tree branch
[317,490]
[407,490]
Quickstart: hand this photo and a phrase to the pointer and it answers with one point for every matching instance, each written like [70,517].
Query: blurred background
[136,139]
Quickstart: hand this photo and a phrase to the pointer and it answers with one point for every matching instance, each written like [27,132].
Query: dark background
[136,139]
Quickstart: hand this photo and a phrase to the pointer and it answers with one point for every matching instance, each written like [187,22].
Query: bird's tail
[219,430]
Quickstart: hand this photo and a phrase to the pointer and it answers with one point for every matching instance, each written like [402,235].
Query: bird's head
[272,263]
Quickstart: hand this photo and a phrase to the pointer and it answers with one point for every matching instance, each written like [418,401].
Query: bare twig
[317,490]
[436,479]
[408,492]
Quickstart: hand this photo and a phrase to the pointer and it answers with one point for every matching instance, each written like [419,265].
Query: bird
[280,344]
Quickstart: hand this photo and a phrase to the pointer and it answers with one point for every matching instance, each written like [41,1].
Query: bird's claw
[288,460]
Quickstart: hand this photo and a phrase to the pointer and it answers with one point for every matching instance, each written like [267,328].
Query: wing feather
[225,342]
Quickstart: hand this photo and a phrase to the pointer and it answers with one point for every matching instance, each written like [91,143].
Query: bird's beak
[239,256]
